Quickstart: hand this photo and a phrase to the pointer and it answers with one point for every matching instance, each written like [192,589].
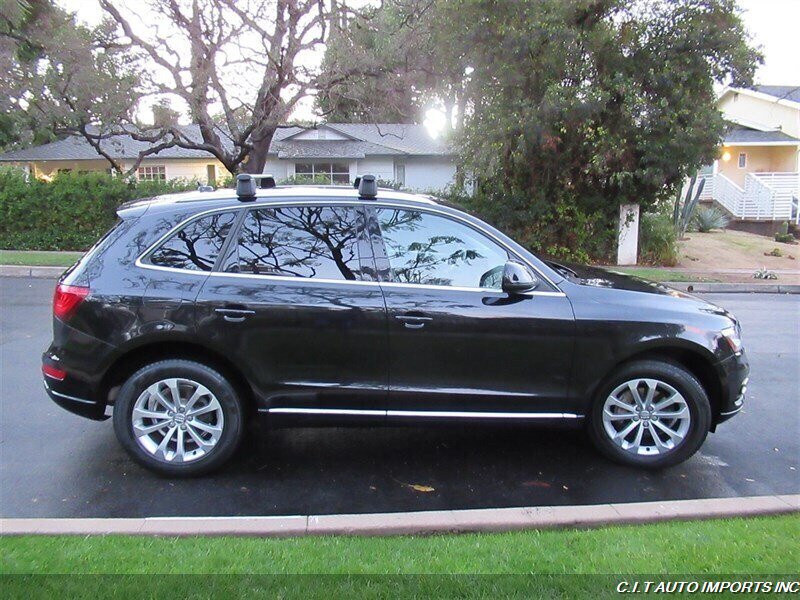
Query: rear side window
[303,241]
[196,246]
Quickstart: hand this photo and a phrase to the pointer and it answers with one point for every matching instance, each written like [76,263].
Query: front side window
[152,173]
[434,250]
[303,241]
[323,173]
[196,246]
[742,160]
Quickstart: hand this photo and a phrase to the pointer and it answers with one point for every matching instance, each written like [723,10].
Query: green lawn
[475,565]
[753,545]
[38,258]
[655,274]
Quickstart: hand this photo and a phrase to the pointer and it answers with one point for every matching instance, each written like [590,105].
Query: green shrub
[706,219]
[657,243]
[68,213]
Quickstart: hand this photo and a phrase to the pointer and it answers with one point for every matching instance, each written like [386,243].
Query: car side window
[429,249]
[196,246]
[302,241]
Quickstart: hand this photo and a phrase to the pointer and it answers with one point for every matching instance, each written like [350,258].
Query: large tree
[579,106]
[390,63]
[239,68]
[60,77]
[569,107]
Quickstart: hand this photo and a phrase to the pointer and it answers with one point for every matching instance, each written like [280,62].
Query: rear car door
[457,342]
[295,303]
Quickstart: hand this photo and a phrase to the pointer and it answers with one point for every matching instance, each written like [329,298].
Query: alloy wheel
[177,420]
[646,416]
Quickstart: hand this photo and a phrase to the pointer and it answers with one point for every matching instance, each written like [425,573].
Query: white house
[402,153]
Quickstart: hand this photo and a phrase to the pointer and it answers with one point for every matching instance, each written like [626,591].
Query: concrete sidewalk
[416,523]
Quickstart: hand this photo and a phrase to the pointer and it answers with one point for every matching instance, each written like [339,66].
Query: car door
[295,303]
[457,342]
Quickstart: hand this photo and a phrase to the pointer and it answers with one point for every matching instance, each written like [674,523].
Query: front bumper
[735,377]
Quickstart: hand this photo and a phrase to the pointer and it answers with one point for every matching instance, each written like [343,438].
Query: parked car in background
[310,305]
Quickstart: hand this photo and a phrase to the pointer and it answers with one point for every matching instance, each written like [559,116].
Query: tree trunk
[261,140]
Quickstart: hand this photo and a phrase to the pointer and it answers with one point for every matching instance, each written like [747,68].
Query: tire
[199,439]
[677,403]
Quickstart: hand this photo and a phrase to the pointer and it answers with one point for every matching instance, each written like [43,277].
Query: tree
[239,68]
[61,77]
[579,106]
[248,59]
[387,64]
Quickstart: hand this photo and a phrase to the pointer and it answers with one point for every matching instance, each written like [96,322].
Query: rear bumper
[735,377]
[72,393]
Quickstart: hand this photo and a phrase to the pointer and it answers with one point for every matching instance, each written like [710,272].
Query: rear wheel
[178,417]
[650,414]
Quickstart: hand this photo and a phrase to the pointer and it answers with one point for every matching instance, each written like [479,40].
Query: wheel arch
[137,357]
[697,361]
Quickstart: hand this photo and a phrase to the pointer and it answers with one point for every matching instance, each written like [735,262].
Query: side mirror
[517,279]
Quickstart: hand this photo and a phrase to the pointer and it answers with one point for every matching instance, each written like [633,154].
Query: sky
[774,27]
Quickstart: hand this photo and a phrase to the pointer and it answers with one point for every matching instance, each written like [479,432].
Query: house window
[400,174]
[152,173]
[323,173]
[742,160]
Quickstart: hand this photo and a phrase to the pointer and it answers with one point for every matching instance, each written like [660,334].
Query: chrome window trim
[139,262]
[439,414]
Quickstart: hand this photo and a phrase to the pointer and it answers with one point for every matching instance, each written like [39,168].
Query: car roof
[197,200]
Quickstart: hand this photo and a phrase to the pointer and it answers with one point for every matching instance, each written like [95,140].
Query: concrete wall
[761,110]
[760,159]
[429,173]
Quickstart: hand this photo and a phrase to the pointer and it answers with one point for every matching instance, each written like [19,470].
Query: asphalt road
[54,464]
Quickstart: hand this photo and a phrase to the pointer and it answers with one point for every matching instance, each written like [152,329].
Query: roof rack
[246,185]
[367,187]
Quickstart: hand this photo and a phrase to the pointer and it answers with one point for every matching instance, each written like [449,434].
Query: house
[757,175]
[335,152]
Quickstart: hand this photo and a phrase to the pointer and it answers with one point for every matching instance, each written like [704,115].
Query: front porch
[763,196]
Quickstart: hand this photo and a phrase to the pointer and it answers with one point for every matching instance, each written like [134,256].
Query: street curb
[416,523]
[35,272]
[734,288]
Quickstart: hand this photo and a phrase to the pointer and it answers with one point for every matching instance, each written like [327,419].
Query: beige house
[76,154]
[757,174]
[337,152]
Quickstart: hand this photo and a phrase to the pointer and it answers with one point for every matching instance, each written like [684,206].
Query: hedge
[68,213]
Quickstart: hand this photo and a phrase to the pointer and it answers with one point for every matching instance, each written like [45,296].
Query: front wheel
[178,417]
[650,414]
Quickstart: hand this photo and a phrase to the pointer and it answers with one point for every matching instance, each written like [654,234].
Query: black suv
[311,305]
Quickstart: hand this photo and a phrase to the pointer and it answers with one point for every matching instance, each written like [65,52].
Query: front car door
[457,342]
[294,302]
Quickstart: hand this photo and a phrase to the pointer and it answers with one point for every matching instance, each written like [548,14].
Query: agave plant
[684,208]
[710,218]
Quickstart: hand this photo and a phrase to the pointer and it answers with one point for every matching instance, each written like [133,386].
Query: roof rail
[246,185]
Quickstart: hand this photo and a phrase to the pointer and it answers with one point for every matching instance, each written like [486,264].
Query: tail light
[67,299]
[54,372]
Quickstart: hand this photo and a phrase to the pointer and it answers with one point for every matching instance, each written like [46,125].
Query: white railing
[708,188]
[768,196]
[728,194]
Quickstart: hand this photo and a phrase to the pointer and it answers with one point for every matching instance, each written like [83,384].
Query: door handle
[412,321]
[234,315]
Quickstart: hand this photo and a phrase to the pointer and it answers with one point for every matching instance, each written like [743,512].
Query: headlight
[732,337]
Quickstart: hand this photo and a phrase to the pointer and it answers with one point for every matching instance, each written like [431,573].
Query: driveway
[54,464]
